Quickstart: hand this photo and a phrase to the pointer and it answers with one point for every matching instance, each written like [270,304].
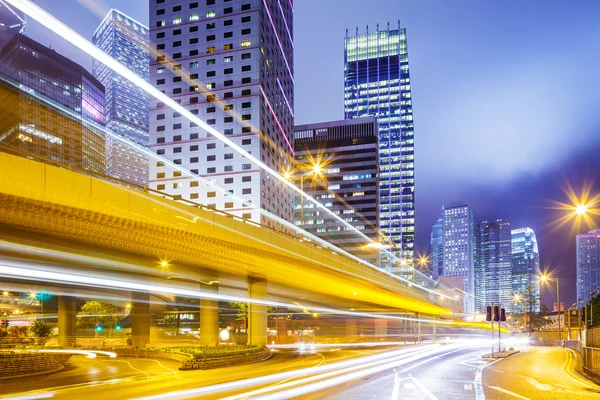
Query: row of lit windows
[195,28]
[195,64]
[209,110]
[209,38]
[209,74]
[209,50]
[196,17]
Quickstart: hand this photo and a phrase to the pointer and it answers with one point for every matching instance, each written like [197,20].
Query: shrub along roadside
[204,352]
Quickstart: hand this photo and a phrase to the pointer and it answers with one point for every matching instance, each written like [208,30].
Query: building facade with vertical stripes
[377,83]
[348,183]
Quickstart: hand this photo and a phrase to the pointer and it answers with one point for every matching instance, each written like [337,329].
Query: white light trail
[49,21]
[240,384]
[88,280]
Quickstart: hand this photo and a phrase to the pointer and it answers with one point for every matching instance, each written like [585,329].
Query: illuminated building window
[211,14]
[228,46]
[176,20]
[194,17]
[246,43]
[211,49]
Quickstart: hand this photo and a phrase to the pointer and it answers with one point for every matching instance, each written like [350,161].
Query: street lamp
[313,170]
[546,278]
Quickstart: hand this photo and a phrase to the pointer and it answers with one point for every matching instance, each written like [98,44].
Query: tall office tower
[377,83]
[588,265]
[347,184]
[437,248]
[459,249]
[47,103]
[12,21]
[127,106]
[230,63]
[493,265]
[525,270]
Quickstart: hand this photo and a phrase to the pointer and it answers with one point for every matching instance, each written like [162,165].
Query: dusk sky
[505,96]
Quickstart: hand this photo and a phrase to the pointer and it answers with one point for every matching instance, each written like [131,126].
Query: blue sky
[506,95]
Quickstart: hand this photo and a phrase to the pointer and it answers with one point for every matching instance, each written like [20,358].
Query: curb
[34,373]
[499,357]
[581,371]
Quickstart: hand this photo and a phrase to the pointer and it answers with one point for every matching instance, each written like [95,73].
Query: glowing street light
[581,209]
[164,264]
[545,278]
[5,293]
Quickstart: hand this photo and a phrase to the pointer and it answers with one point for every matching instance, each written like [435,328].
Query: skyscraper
[493,268]
[588,265]
[437,248]
[230,63]
[127,106]
[459,249]
[348,183]
[377,83]
[525,270]
[47,105]
[12,21]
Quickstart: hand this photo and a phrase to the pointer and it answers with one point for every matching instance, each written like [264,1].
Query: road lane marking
[538,385]
[396,390]
[509,392]
[575,376]
[423,388]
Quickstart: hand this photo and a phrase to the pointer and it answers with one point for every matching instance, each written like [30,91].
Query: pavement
[454,371]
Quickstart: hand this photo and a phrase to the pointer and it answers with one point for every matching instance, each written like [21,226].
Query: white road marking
[409,385]
[396,390]
[538,385]
[509,392]
[423,388]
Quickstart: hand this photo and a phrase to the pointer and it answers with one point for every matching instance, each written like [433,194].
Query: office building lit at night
[525,270]
[347,183]
[127,106]
[231,65]
[588,265]
[377,83]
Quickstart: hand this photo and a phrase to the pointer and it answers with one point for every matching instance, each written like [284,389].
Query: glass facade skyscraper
[47,105]
[437,248]
[525,270]
[377,83]
[459,249]
[12,21]
[493,268]
[588,265]
[127,106]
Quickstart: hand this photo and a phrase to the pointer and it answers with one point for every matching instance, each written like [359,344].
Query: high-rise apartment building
[377,83]
[347,184]
[12,21]
[230,63]
[437,248]
[47,105]
[588,265]
[127,106]
[459,249]
[525,270]
[493,267]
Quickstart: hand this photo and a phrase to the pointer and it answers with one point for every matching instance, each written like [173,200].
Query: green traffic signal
[118,327]
[98,328]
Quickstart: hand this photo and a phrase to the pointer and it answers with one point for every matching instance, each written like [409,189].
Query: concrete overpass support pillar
[209,317]
[140,319]
[381,329]
[67,319]
[257,314]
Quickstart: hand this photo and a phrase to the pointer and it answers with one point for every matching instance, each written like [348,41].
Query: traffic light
[98,328]
[502,315]
[496,313]
[118,327]
[488,315]
[7,324]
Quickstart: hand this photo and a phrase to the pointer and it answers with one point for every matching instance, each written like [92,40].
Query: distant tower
[127,106]
[12,21]
[588,265]
[459,249]
[493,268]
[377,83]
[437,248]
[525,270]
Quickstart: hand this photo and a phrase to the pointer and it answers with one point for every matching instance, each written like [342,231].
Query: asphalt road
[452,372]
[538,373]
[130,377]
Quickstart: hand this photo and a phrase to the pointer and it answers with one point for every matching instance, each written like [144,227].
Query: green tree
[41,331]
[95,312]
